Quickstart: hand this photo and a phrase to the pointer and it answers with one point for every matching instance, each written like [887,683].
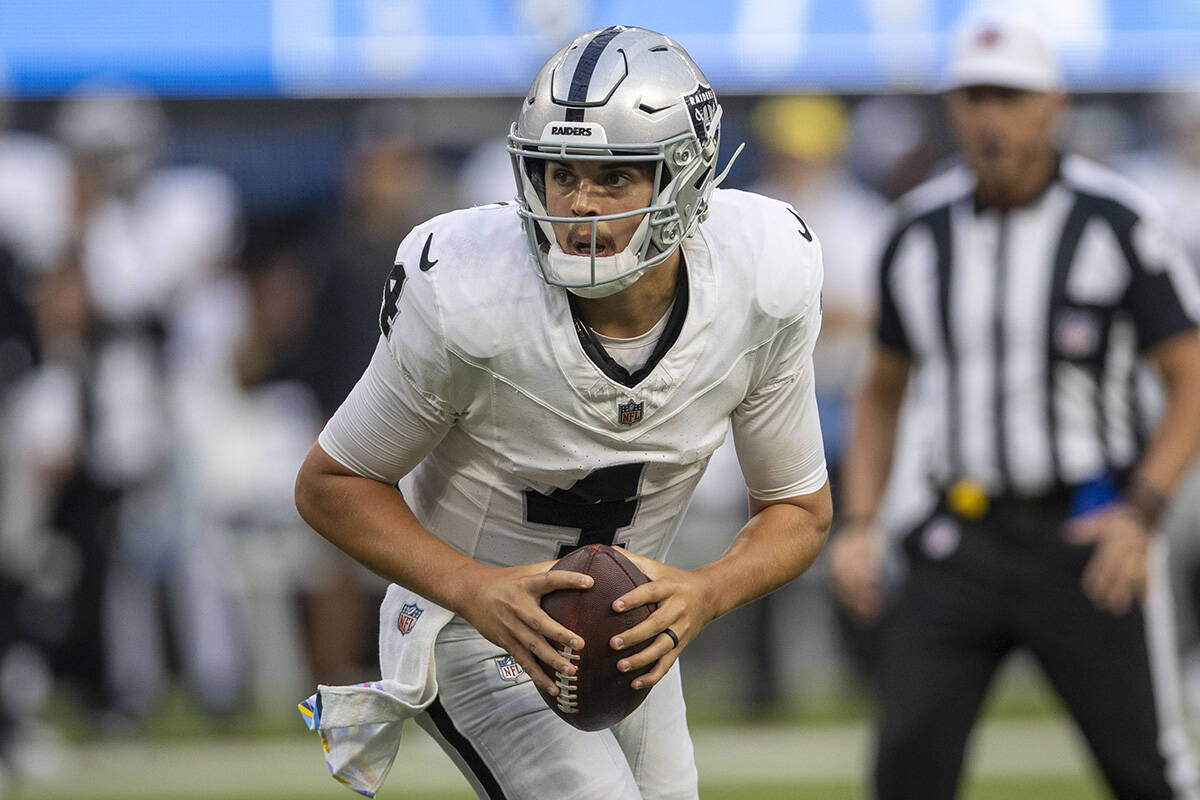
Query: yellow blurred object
[967,499]
[802,126]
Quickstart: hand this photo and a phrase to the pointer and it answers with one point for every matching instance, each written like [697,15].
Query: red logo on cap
[989,37]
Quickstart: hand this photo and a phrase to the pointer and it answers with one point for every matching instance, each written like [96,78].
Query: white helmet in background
[618,94]
[115,129]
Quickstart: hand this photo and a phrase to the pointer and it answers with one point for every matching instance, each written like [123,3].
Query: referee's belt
[969,499]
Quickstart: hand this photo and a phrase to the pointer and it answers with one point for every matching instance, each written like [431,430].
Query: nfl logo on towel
[629,413]
[409,614]
[509,669]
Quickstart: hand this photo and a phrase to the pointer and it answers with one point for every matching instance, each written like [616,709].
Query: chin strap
[728,165]
[703,215]
[623,263]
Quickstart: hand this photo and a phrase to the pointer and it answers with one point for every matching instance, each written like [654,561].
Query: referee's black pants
[976,590]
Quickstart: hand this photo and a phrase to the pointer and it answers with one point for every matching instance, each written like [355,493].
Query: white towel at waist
[360,725]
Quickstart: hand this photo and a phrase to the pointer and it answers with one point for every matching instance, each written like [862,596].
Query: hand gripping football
[598,696]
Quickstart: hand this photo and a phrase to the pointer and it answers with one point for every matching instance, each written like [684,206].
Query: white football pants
[510,745]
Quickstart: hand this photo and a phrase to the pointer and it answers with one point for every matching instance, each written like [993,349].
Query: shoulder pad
[772,247]
[472,272]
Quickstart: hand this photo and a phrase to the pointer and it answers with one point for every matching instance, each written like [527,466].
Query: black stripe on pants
[468,753]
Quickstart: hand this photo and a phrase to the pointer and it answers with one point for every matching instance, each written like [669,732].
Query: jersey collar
[605,363]
[603,388]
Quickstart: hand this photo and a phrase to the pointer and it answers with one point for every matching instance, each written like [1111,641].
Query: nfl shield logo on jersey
[509,669]
[409,614]
[1077,333]
[630,412]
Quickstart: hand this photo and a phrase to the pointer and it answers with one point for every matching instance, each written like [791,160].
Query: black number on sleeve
[598,505]
[391,299]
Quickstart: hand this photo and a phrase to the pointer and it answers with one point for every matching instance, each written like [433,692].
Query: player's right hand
[506,609]
[855,565]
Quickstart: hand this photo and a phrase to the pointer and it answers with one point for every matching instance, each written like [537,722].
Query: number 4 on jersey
[598,505]
[391,299]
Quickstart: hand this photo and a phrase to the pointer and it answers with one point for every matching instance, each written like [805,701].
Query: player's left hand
[1115,575]
[683,606]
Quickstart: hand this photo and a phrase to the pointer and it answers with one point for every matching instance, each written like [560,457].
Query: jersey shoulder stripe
[943,189]
[1090,177]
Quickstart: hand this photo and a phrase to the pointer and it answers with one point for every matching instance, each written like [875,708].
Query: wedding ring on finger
[674,637]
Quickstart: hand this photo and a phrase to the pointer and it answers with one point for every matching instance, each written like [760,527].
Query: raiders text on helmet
[618,95]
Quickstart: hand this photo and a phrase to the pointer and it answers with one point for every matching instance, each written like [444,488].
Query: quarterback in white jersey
[556,372]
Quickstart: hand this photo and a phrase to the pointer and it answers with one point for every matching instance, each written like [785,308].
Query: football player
[556,372]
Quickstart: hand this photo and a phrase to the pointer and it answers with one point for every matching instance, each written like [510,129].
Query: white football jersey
[528,441]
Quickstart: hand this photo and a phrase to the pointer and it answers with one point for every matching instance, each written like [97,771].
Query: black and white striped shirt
[1026,324]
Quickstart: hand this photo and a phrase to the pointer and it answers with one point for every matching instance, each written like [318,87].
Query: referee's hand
[855,565]
[1115,575]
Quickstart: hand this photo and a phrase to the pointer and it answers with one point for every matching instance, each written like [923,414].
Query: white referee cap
[1004,50]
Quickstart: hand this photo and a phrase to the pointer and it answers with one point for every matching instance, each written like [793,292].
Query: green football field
[1025,748]
[1029,759]
[990,789]
[1047,788]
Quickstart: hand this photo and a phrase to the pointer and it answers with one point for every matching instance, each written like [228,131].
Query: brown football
[598,696]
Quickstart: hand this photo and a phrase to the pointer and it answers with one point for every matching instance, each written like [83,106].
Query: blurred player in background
[139,241]
[1025,288]
[35,186]
[557,372]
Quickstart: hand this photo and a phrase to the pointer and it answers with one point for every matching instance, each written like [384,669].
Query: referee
[1026,291]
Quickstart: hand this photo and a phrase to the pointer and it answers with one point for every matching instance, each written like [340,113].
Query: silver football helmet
[618,94]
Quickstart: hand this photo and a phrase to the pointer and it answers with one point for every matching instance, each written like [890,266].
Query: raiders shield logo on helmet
[702,107]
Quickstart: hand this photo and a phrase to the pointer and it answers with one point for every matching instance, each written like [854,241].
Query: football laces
[568,698]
